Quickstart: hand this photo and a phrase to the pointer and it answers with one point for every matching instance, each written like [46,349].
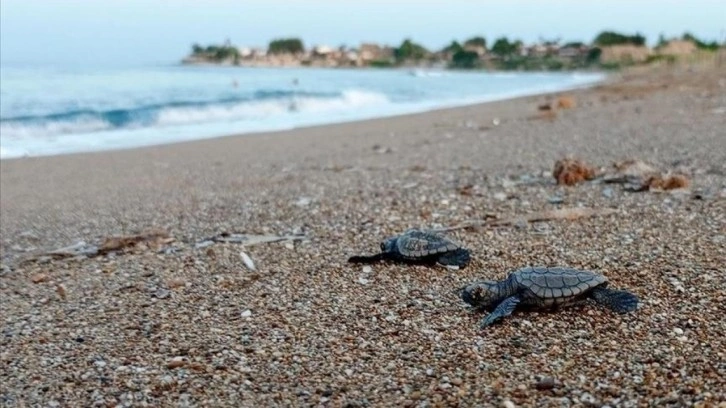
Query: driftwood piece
[550,215]
[248,239]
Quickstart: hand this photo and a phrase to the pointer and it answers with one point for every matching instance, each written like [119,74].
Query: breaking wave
[261,105]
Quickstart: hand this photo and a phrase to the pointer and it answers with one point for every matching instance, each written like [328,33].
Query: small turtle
[420,247]
[544,288]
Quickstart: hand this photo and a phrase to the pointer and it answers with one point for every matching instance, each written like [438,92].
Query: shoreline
[604,78]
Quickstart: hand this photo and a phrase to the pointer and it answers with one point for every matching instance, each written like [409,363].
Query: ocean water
[48,111]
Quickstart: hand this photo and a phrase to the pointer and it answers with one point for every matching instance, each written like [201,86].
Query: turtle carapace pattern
[544,288]
[419,247]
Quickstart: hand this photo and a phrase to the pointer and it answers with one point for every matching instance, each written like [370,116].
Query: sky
[138,32]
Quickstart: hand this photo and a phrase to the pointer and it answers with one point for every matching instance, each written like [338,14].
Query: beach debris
[637,175]
[668,182]
[152,239]
[249,239]
[565,102]
[418,246]
[247,261]
[569,214]
[570,171]
[80,248]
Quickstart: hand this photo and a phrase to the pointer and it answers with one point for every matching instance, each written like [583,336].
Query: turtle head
[481,294]
[388,244]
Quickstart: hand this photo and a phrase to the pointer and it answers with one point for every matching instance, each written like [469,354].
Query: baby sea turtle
[544,288]
[421,247]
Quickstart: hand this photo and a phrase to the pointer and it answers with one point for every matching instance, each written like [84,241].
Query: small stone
[430,372]
[367,269]
[546,383]
[40,278]
[176,283]
[678,331]
[61,291]
[500,196]
[162,293]
[556,200]
[608,192]
[508,404]
[176,362]
[247,313]
[289,245]
[457,381]
[363,281]
[303,201]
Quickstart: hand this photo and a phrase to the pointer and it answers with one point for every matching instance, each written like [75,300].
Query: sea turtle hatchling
[421,247]
[544,288]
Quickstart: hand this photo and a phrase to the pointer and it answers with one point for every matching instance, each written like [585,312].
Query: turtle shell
[418,244]
[557,284]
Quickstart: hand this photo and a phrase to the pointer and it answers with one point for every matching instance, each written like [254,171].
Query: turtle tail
[619,301]
[459,257]
[366,259]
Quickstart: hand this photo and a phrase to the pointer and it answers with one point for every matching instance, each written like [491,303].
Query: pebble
[367,269]
[303,201]
[247,313]
[508,404]
[608,192]
[546,383]
[678,331]
[162,293]
[61,291]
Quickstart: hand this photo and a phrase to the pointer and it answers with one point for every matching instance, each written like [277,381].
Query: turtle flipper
[367,259]
[458,257]
[619,301]
[504,309]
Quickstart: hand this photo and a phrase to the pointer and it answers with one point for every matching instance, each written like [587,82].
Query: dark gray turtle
[419,247]
[544,288]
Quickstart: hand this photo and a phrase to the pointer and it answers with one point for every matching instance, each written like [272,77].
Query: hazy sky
[135,32]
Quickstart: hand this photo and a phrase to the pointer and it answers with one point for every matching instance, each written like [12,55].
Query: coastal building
[677,48]
[370,52]
[624,53]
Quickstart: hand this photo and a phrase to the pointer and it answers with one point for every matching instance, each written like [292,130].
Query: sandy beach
[177,323]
